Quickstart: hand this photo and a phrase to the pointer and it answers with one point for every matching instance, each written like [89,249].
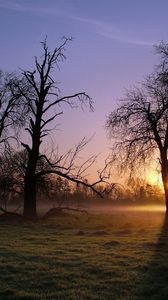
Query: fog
[136,208]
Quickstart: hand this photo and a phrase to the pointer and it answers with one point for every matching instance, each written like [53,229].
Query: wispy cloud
[25,7]
[12,5]
[107,30]
[110,31]
[126,38]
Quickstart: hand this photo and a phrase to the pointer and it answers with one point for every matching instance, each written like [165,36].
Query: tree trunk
[166,199]
[30,182]
[30,210]
[165,184]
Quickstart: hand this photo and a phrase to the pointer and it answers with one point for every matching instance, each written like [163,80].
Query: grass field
[122,255]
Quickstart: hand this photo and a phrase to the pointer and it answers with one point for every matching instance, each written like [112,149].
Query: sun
[154,178]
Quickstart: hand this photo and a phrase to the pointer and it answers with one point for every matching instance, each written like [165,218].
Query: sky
[112,49]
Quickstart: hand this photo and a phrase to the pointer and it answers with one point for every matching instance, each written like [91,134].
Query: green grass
[113,256]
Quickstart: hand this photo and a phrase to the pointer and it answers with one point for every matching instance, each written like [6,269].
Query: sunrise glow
[154,178]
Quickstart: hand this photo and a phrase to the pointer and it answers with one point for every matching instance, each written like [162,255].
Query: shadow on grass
[154,284]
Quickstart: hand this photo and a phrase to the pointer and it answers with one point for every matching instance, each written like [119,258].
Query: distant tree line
[57,192]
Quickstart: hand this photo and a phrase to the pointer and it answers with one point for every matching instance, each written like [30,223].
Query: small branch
[26,146]
[9,212]
[50,119]
[65,98]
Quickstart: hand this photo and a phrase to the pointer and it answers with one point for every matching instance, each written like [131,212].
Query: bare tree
[140,125]
[12,105]
[11,180]
[13,110]
[45,107]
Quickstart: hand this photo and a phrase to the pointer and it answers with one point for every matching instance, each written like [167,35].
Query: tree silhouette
[140,125]
[45,106]
[12,105]
[13,113]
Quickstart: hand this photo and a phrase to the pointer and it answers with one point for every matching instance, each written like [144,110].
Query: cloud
[12,5]
[124,38]
[24,7]
[107,30]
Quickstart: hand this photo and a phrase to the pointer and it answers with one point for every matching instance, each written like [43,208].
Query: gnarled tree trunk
[30,182]
[30,211]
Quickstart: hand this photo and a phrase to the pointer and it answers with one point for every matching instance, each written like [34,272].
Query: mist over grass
[119,255]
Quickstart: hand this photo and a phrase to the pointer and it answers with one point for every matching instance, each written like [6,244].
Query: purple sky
[112,50]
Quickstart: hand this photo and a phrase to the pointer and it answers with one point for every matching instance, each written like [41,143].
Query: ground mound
[11,218]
